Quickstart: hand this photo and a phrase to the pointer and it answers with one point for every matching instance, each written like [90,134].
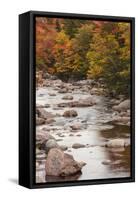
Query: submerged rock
[106,162]
[52,94]
[77,146]
[59,163]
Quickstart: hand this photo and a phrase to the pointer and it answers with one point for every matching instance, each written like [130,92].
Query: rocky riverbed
[81,133]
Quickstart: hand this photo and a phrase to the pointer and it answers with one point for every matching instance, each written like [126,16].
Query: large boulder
[123,106]
[59,163]
[70,113]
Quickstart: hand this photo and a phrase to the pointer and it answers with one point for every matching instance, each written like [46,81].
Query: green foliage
[70,26]
[109,57]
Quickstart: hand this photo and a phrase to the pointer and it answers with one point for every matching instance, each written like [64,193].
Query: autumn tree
[45,34]
[109,56]
[78,49]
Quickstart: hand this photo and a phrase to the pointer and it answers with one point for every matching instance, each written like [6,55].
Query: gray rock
[70,113]
[41,138]
[89,101]
[81,164]
[63,147]
[77,145]
[42,113]
[123,106]
[63,90]
[106,162]
[76,126]
[52,94]
[51,143]
[47,105]
[67,97]
[63,105]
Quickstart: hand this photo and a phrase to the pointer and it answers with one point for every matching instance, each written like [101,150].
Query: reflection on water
[66,178]
[118,131]
[96,132]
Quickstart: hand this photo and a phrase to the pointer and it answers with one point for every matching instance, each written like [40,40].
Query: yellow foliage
[95,72]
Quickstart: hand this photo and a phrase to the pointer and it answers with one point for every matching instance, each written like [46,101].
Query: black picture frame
[27,99]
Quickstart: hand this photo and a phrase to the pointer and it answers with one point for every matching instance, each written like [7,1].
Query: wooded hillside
[81,49]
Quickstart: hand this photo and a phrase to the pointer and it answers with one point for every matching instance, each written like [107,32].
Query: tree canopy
[79,49]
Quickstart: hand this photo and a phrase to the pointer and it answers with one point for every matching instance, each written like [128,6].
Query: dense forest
[85,49]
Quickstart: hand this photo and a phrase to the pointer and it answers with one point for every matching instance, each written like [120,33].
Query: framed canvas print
[76,99]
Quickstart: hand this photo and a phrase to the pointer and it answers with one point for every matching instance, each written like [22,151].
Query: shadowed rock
[59,163]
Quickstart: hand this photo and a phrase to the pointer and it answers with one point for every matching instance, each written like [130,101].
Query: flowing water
[97,130]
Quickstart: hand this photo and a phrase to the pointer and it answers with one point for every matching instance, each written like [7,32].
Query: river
[97,130]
